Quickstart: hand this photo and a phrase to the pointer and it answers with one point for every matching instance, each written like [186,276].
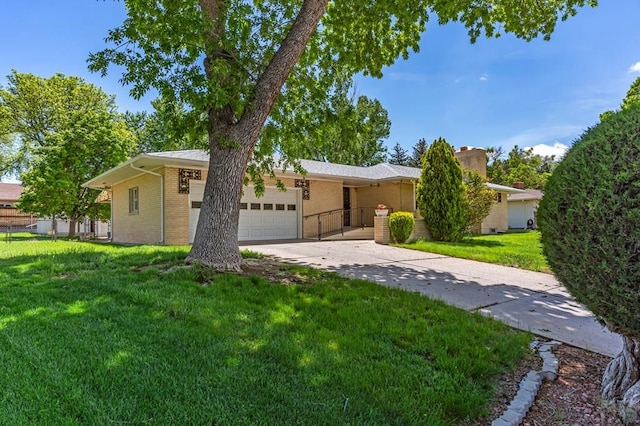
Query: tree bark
[216,241]
[72,228]
[231,141]
[621,381]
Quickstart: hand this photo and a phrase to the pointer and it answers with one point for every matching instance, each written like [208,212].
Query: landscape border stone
[530,385]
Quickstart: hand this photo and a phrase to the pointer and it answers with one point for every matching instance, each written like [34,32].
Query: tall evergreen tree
[398,155]
[418,151]
[441,194]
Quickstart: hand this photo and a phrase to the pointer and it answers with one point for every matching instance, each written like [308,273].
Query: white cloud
[533,137]
[635,67]
[485,77]
[558,149]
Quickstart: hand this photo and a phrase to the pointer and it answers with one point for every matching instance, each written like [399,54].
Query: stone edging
[529,386]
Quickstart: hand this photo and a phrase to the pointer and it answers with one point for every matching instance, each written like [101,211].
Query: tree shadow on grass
[116,334]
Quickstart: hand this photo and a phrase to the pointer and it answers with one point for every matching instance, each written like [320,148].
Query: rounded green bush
[400,225]
[590,221]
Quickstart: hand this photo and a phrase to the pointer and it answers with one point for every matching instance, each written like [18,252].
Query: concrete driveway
[530,301]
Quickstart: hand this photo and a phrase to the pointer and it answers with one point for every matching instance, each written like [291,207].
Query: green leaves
[65,132]
[32,108]
[521,165]
[344,129]
[440,193]
[401,225]
[479,198]
[590,220]
[206,65]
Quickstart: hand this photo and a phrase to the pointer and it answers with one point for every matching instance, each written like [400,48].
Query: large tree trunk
[216,240]
[73,223]
[621,382]
[231,140]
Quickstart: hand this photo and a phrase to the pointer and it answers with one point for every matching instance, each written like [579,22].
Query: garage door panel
[274,216]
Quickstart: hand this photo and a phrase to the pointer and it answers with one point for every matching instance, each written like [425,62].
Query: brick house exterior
[155,198]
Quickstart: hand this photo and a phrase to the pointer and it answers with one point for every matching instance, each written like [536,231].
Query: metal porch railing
[335,221]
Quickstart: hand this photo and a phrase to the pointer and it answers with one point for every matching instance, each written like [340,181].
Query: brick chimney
[518,185]
[473,159]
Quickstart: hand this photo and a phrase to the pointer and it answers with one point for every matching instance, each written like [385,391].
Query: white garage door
[275,216]
[517,214]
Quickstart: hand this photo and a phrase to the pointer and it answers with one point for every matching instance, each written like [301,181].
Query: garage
[275,216]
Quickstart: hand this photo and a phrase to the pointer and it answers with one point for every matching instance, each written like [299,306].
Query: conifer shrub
[440,193]
[401,225]
[590,220]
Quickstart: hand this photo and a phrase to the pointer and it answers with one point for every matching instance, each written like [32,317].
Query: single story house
[522,208]
[156,198]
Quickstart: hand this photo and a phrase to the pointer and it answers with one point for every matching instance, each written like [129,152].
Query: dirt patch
[574,398]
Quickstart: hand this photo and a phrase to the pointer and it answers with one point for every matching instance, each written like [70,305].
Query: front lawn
[517,249]
[94,333]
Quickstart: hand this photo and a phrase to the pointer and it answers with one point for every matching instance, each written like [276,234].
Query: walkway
[530,301]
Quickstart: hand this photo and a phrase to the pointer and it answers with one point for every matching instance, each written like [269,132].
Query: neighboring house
[523,207]
[87,226]
[156,198]
[9,214]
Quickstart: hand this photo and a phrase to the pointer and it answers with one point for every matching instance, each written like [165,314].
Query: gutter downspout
[110,228]
[161,197]
[413,206]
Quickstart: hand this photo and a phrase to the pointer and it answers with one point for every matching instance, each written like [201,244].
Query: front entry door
[346,205]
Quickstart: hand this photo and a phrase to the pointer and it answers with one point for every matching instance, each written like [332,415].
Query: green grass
[94,333]
[518,249]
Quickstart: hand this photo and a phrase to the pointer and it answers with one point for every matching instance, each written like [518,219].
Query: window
[196,204]
[134,200]
[255,206]
[499,197]
[291,207]
[243,206]
[279,206]
[266,206]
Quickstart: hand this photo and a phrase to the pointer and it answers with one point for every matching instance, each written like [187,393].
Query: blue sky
[498,92]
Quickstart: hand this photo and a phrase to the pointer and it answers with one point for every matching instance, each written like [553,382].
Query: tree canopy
[521,165]
[33,108]
[348,129]
[418,151]
[91,143]
[161,130]
[398,155]
[238,64]
[632,98]
[62,132]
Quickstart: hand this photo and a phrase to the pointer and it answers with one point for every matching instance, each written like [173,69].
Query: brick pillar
[381,232]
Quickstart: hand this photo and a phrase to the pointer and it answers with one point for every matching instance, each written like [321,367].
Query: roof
[501,188]
[351,175]
[526,195]
[10,191]
[194,158]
